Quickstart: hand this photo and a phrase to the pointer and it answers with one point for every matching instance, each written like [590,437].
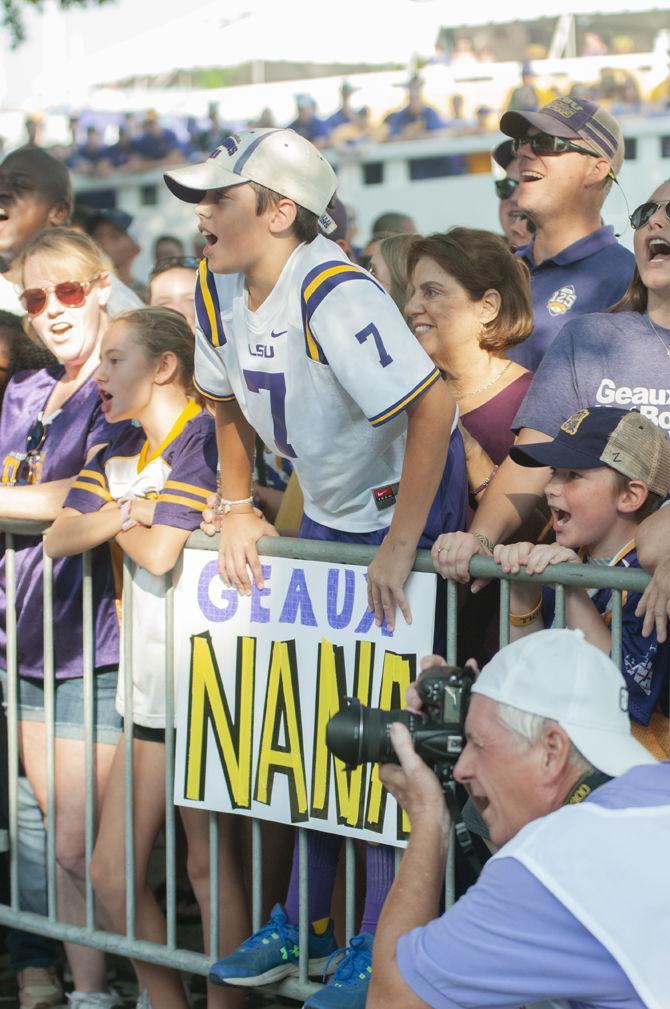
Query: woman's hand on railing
[654,605]
[452,553]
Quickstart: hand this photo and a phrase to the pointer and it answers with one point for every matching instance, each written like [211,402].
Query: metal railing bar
[588,576]
[349,888]
[559,606]
[616,628]
[12,721]
[88,633]
[452,619]
[170,858]
[303,904]
[129,804]
[504,612]
[110,942]
[256,874]
[214,884]
[50,732]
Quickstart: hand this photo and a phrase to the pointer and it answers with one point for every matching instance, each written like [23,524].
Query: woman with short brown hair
[470,303]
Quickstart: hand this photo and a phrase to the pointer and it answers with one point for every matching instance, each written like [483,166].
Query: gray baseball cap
[279,159]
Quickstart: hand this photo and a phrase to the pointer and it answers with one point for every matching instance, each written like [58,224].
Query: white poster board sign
[261,675]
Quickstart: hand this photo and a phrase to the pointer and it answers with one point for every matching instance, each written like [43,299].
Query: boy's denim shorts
[69,700]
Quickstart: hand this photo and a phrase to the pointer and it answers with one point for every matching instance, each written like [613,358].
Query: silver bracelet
[224,505]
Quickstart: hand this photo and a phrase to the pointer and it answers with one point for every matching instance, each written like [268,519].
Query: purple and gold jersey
[180,475]
[323,370]
[72,432]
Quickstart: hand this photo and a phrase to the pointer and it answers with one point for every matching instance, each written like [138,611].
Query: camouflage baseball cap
[573,119]
[624,440]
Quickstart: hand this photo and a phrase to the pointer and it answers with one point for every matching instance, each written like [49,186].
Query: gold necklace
[659,337]
[483,388]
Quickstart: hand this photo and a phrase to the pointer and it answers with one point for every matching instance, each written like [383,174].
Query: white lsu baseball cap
[281,160]
[559,675]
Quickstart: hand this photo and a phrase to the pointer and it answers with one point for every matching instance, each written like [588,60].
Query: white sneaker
[93,999]
[143,1001]
[39,988]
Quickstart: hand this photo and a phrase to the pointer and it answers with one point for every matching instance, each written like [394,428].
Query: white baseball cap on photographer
[557,674]
[278,159]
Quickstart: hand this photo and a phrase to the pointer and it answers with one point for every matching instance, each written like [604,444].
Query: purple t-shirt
[491,423]
[588,276]
[509,942]
[601,360]
[72,434]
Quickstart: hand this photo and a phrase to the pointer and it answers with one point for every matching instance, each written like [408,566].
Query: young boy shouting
[296,343]
[611,469]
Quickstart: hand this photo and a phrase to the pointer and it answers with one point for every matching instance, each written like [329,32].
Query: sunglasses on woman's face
[70,293]
[505,188]
[646,211]
[547,146]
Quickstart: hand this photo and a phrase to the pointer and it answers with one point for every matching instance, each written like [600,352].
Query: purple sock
[379,873]
[323,851]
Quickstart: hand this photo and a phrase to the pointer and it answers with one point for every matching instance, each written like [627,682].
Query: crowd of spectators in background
[144,141]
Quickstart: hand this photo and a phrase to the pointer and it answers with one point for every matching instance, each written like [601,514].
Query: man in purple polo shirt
[575,905]
[569,155]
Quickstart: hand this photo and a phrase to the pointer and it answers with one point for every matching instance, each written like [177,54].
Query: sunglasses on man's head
[70,293]
[505,188]
[645,212]
[547,146]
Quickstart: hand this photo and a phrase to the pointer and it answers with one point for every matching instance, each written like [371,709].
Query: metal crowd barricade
[128,944]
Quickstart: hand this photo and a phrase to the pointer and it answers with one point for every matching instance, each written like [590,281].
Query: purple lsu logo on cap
[574,112]
[231,145]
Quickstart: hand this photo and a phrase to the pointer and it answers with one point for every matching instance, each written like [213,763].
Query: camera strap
[585,786]
[580,791]
[464,839]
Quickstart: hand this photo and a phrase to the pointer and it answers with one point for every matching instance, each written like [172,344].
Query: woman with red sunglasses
[51,424]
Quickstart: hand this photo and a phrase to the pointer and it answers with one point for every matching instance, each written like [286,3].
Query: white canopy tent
[79,49]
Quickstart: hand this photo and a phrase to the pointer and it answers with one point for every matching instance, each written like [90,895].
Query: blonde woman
[51,424]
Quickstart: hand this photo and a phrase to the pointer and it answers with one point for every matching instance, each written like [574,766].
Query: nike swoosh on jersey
[280,333]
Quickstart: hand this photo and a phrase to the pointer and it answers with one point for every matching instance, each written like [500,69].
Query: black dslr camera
[361,735]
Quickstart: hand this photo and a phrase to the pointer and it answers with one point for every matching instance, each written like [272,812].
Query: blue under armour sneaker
[272,953]
[348,987]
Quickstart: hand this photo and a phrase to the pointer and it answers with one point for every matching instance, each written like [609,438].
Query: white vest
[609,868]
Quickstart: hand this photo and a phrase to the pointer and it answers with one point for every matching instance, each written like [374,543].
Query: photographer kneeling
[576,903]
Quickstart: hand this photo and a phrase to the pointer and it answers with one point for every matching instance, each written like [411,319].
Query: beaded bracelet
[484,485]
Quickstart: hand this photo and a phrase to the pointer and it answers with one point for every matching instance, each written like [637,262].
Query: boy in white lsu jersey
[299,345]
[296,343]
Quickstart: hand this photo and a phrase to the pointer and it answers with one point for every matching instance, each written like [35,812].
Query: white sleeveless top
[610,869]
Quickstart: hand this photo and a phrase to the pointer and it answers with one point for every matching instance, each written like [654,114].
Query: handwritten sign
[261,675]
